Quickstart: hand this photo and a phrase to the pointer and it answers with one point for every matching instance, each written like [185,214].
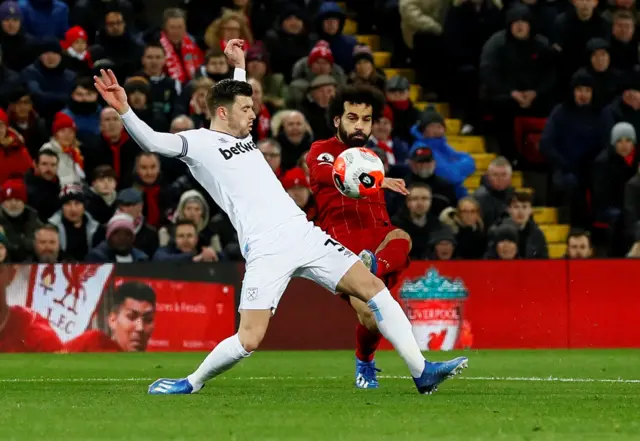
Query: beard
[355,139]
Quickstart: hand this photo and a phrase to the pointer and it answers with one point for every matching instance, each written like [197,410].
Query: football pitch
[504,395]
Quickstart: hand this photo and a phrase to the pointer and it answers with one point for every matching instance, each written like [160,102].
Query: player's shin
[223,357]
[395,327]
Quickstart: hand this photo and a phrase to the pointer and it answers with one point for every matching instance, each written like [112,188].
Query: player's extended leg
[395,326]
[253,326]
[367,340]
[392,255]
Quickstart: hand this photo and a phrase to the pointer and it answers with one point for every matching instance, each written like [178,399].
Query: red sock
[393,257]
[366,343]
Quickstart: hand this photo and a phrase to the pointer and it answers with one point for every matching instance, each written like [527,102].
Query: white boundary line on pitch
[392,377]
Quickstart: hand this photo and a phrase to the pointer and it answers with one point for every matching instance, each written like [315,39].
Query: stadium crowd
[75,187]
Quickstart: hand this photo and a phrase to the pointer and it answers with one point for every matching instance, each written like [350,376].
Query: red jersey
[339,215]
[27,331]
[92,341]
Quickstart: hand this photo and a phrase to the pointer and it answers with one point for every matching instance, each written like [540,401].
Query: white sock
[395,326]
[222,358]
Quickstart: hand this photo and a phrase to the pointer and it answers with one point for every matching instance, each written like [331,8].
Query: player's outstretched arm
[166,144]
[235,54]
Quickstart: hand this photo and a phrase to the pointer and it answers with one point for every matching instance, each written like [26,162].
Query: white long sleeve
[240,74]
[166,144]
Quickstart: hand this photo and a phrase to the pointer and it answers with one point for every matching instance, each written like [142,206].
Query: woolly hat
[72,35]
[50,44]
[13,189]
[430,116]
[320,50]
[130,196]
[362,52]
[258,52]
[582,78]
[295,178]
[10,10]
[120,221]
[71,192]
[622,130]
[398,83]
[62,121]
[506,231]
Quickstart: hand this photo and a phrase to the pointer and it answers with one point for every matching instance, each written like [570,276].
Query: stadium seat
[382,59]
[557,250]
[545,215]
[350,27]
[483,160]
[469,144]
[415,92]
[373,41]
[441,108]
[453,126]
[555,233]
[408,73]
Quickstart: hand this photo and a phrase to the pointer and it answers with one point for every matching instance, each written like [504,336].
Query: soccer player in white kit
[276,239]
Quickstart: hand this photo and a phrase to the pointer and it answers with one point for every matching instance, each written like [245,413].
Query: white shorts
[297,249]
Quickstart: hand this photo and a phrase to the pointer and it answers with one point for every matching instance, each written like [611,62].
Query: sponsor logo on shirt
[326,157]
[238,149]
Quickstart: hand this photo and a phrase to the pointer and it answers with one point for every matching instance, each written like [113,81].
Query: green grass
[309,396]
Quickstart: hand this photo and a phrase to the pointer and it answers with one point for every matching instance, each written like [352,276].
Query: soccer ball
[358,173]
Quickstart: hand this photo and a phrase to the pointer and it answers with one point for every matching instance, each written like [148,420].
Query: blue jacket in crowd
[341,45]
[45,18]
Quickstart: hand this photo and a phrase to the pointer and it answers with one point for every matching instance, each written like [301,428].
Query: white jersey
[232,170]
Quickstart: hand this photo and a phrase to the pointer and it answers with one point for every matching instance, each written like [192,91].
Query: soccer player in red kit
[361,225]
[21,329]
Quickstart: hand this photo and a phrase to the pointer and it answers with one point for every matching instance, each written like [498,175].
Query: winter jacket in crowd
[43,194]
[20,231]
[50,88]
[91,232]
[45,18]
[341,45]
[493,203]
[471,239]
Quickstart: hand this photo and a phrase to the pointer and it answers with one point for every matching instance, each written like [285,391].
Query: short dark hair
[623,14]
[357,94]
[418,184]
[153,45]
[133,290]
[46,152]
[224,93]
[181,222]
[85,83]
[170,13]
[151,154]
[48,227]
[521,196]
[579,232]
[214,52]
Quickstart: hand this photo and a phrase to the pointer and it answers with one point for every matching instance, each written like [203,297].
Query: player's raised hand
[396,185]
[235,53]
[111,91]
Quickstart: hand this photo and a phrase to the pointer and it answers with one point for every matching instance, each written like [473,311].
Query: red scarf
[391,157]
[264,123]
[400,105]
[151,202]
[629,158]
[190,55]
[115,150]
[75,154]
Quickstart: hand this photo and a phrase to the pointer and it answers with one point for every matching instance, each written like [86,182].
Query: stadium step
[408,73]
[483,160]
[350,27]
[453,126]
[545,215]
[557,250]
[469,144]
[415,92]
[373,41]
[382,59]
[555,233]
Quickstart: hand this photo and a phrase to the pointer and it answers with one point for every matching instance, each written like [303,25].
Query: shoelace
[369,371]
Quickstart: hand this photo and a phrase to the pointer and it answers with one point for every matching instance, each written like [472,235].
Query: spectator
[26,121]
[421,22]
[396,151]
[289,31]
[215,67]
[272,154]
[405,115]
[165,91]
[262,124]
[76,56]
[495,191]
[43,186]
[149,181]
[48,82]
[193,207]
[294,136]
[18,220]
[100,198]
[181,123]
[314,107]
[115,149]
[273,85]
[623,41]
[442,244]
[85,110]
[227,236]
[625,108]
[229,25]
[632,205]
[182,52]
[89,15]
[130,202]
[184,246]
[579,245]
[422,166]
[14,156]
[454,167]
[466,223]
[115,41]
[8,81]
[118,246]
[198,110]
[364,71]
[330,22]
[67,147]
[18,47]
[296,184]
[573,29]
[78,230]
[417,220]
[46,245]
[570,141]
[607,79]
[45,18]
[139,95]
[531,241]
[503,242]
[259,15]
[320,62]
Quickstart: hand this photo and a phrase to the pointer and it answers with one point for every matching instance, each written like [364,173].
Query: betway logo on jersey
[238,149]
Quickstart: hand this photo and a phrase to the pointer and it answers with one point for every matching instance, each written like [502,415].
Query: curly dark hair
[356,94]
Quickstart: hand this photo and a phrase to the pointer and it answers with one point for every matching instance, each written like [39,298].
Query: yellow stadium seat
[441,108]
[545,215]
[407,73]
[483,160]
[453,126]
[350,27]
[469,144]
[474,180]
[557,250]
[373,41]
[555,233]
[382,59]
[415,91]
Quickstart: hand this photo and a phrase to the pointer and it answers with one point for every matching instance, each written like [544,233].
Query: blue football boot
[435,373]
[366,374]
[369,259]
[168,386]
